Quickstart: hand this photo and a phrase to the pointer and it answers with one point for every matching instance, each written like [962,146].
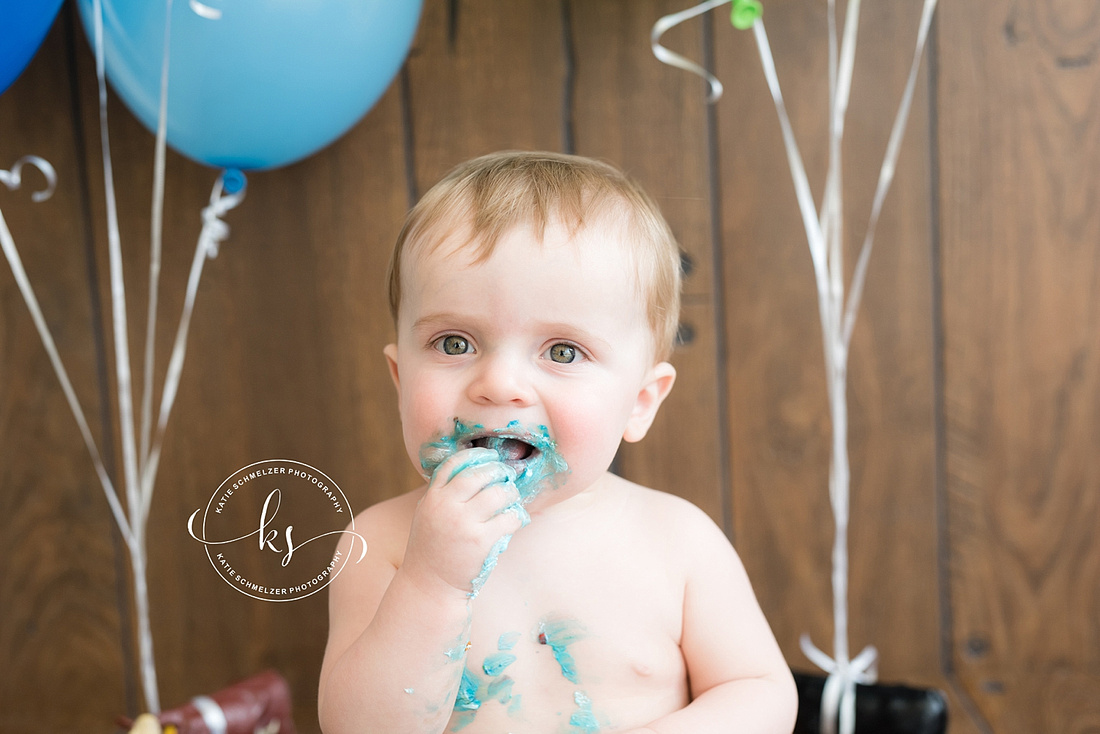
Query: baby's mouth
[513,451]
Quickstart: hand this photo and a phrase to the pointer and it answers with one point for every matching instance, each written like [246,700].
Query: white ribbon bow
[839,695]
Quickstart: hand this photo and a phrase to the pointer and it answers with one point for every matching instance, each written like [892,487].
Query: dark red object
[260,704]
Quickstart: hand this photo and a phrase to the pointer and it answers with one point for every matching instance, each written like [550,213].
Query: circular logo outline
[350,528]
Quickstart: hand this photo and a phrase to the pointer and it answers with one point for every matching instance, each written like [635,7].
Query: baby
[524,588]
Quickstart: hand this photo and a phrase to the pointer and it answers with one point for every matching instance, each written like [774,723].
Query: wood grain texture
[60,623]
[484,76]
[779,417]
[1019,223]
[284,355]
[650,120]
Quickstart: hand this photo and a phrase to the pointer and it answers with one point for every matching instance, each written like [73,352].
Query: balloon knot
[744,13]
[214,230]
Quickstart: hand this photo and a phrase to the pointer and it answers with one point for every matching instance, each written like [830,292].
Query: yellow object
[148,724]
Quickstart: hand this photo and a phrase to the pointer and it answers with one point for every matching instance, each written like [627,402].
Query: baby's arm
[739,680]
[395,652]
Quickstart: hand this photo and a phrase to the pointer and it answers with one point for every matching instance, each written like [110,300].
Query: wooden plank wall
[973,378]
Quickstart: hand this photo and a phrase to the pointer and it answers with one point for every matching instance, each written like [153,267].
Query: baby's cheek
[425,412]
[586,436]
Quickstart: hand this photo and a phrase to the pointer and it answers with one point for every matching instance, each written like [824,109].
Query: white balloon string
[118,288]
[838,700]
[847,64]
[829,207]
[125,396]
[825,236]
[838,110]
[803,195]
[674,59]
[12,180]
[155,246]
[205,11]
[214,231]
[886,173]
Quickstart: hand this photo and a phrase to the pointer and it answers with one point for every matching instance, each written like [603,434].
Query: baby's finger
[493,498]
[508,521]
[467,472]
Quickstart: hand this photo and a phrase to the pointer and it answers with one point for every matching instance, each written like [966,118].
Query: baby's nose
[502,380]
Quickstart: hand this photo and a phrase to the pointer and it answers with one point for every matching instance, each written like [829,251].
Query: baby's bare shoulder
[669,511]
[385,525]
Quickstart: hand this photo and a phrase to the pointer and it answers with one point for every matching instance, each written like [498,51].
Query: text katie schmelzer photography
[260,528]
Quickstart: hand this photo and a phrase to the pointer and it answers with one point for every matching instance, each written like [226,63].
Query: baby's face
[544,341]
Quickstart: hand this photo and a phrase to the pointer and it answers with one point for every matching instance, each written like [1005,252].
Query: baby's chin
[565,497]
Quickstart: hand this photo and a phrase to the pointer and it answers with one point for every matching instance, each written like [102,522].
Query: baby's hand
[462,522]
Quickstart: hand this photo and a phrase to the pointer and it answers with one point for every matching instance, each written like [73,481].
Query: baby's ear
[390,351]
[650,397]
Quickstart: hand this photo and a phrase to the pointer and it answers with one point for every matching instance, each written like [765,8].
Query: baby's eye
[454,345]
[563,353]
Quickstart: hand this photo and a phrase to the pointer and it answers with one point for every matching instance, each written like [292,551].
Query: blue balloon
[254,84]
[23,26]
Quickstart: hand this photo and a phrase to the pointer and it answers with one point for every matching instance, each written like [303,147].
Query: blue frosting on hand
[538,470]
[487,567]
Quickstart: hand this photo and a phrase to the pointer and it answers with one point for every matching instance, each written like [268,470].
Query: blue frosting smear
[508,640]
[490,563]
[558,635]
[495,664]
[543,469]
[501,689]
[467,699]
[583,720]
[463,720]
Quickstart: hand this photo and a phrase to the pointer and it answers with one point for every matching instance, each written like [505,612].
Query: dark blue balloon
[254,83]
[23,26]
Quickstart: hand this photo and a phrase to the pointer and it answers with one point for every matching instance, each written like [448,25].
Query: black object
[880,709]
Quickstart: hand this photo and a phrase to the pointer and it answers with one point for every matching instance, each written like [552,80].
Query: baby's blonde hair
[494,193]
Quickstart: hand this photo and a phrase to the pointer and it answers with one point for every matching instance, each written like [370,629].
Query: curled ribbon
[680,62]
[13,179]
[743,15]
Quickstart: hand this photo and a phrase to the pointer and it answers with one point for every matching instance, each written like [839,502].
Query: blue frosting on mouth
[545,467]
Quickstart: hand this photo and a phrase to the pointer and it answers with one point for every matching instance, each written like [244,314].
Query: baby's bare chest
[573,640]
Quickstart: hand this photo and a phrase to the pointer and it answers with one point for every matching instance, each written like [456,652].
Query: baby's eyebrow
[438,319]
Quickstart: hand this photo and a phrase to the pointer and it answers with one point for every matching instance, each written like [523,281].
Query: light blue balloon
[267,83]
[23,26]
